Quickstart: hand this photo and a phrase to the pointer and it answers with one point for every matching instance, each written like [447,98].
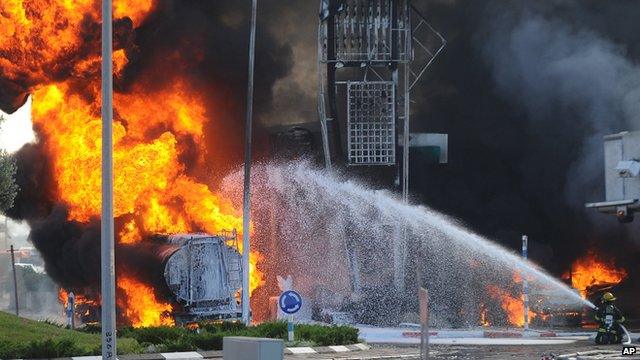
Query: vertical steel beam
[405,155]
[246,201]
[15,282]
[107,236]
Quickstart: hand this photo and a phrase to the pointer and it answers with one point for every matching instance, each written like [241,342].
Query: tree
[8,187]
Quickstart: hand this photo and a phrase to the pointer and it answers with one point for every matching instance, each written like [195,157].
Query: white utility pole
[246,201]
[107,238]
[525,283]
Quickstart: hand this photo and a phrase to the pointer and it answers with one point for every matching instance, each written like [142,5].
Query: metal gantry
[371,54]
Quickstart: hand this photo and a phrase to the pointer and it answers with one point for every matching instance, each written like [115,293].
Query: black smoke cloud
[526,91]
[207,42]
[204,42]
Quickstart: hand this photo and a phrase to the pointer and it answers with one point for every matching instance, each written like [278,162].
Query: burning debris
[512,306]
[173,133]
[593,272]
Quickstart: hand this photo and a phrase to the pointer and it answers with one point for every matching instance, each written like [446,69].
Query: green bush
[40,349]
[211,335]
[91,329]
[154,335]
[208,341]
[327,335]
[9,350]
[127,346]
[226,326]
[274,330]
[180,344]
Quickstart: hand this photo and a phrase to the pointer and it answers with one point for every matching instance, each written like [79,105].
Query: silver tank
[205,274]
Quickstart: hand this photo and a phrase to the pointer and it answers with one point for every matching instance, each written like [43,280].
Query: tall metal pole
[107,237]
[525,283]
[15,282]
[246,203]
[407,97]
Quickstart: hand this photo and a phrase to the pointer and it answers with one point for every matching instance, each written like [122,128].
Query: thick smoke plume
[204,43]
[526,90]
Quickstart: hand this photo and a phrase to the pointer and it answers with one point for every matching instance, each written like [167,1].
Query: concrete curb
[218,354]
[325,349]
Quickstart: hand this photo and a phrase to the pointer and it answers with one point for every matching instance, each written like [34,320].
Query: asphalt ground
[471,351]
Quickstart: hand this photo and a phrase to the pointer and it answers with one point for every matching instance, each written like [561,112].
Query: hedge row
[61,347]
[43,349]
[210,335]
[170,339]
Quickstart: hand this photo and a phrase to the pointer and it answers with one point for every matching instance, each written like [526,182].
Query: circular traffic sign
[290,302]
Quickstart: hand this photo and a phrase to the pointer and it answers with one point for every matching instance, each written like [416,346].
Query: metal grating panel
[371,123]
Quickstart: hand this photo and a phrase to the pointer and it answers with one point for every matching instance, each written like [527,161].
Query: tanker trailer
[205,275]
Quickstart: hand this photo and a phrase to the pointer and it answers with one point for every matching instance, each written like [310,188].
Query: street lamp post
[107,237]
[246,201]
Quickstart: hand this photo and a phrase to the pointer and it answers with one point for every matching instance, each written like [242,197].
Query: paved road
[490,352]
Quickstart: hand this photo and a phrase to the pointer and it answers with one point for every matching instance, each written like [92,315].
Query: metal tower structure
[371,54]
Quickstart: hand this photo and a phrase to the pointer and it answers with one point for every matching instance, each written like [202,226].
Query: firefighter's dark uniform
[607,311]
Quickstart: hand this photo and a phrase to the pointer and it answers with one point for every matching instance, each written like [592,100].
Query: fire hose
[627,333]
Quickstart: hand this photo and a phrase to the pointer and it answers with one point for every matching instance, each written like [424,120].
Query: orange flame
[141,307]
[484,319]
[79,300]
[38,36]
[513,307]
[591,270]
[149,179]
[152,129]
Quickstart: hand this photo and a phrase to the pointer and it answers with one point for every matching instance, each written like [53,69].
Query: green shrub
[274,330]
[211,335]
[40,349]
[327,335]
[91,329]
[181,344]
[226,326]
[54,323]
[154,335]
[208,341]
[127,346]
[9,350]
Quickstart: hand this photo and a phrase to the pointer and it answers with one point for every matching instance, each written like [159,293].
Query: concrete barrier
[248,348]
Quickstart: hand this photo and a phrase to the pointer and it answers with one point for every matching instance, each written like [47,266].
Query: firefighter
[609,318]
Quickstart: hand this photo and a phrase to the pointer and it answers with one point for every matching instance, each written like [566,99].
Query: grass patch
[24,338]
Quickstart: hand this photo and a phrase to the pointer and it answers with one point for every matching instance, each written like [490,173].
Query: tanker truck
[204,273]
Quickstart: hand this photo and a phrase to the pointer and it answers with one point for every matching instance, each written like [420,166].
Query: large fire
[153,190]
[591,270]
[147,311]
[513,307]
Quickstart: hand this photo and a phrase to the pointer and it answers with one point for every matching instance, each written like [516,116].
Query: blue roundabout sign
[290,302]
